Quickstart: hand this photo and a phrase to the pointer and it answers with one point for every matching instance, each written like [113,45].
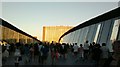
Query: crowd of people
[31,51]
[97,53]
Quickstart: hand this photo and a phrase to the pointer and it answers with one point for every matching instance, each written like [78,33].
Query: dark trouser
[86,54]
[118,63]
[40,58]
[108,61]
[16,64]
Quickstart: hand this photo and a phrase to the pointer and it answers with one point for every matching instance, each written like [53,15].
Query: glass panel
[84,34]
[114,34]
[76,36]
[70,38]
[119,34]
[119,30]
[63,39]
[90,33]
[73,36]
[97,33]
[81,34]
[115,31]
[105,32]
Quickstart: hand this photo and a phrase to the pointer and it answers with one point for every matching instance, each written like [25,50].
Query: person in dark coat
[96,54]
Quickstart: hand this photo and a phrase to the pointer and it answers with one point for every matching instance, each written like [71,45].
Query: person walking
[17,55]
[45,50]
[27,53]
[40,52]
[86,50]
[115,56]
[75,47]
[105,53]
[81,51]
[96,54]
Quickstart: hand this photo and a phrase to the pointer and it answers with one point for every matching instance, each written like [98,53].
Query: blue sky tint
[32,16]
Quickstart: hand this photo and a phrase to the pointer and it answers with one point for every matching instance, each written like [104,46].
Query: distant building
[53,33]
[35,37]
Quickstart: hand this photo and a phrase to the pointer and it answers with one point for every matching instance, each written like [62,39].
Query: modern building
[53,33]
[12,34]
[104,28]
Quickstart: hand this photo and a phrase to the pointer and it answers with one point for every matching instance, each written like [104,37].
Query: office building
[53,33]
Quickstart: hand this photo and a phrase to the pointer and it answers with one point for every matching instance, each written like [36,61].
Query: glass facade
[103,32]
[90,33]
[104,36]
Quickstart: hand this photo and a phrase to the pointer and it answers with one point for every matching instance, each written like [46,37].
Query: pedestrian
[32,53]
[27,53]
[40,52]
[81,51]
[105,53]
[75,47]
[17,55]
[96,54]
[63,50]
[86,50]
[5,55]
[115,56]
[45,50]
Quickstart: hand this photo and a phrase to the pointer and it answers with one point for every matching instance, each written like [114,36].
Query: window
[115,31]
[97,33]
[105,32]
[114,34]
[90,33]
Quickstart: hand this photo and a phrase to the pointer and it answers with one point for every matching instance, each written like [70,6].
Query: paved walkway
[71,60]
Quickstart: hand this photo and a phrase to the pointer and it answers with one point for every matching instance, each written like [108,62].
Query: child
[81,52]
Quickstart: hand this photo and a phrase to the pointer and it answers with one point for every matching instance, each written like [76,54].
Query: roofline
[109,15]
[8,25]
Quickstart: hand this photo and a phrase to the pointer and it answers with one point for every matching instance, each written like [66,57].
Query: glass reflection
[97,33]
[115,30]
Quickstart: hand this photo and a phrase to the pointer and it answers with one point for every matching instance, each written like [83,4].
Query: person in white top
[86,50]
[105,52]
[8,48]
[40,52]
[75,47]
[115,56]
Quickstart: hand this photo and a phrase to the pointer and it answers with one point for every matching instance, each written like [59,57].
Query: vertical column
[43,34]
[25,39]
[17,37]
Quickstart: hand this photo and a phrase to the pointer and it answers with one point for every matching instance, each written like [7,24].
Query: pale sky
[59,0]
[32,16]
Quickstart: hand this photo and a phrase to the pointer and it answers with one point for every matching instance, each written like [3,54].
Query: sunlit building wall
[53,33]
[11,34]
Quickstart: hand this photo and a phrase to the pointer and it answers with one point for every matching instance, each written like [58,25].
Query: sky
[59,0]
[32,16]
